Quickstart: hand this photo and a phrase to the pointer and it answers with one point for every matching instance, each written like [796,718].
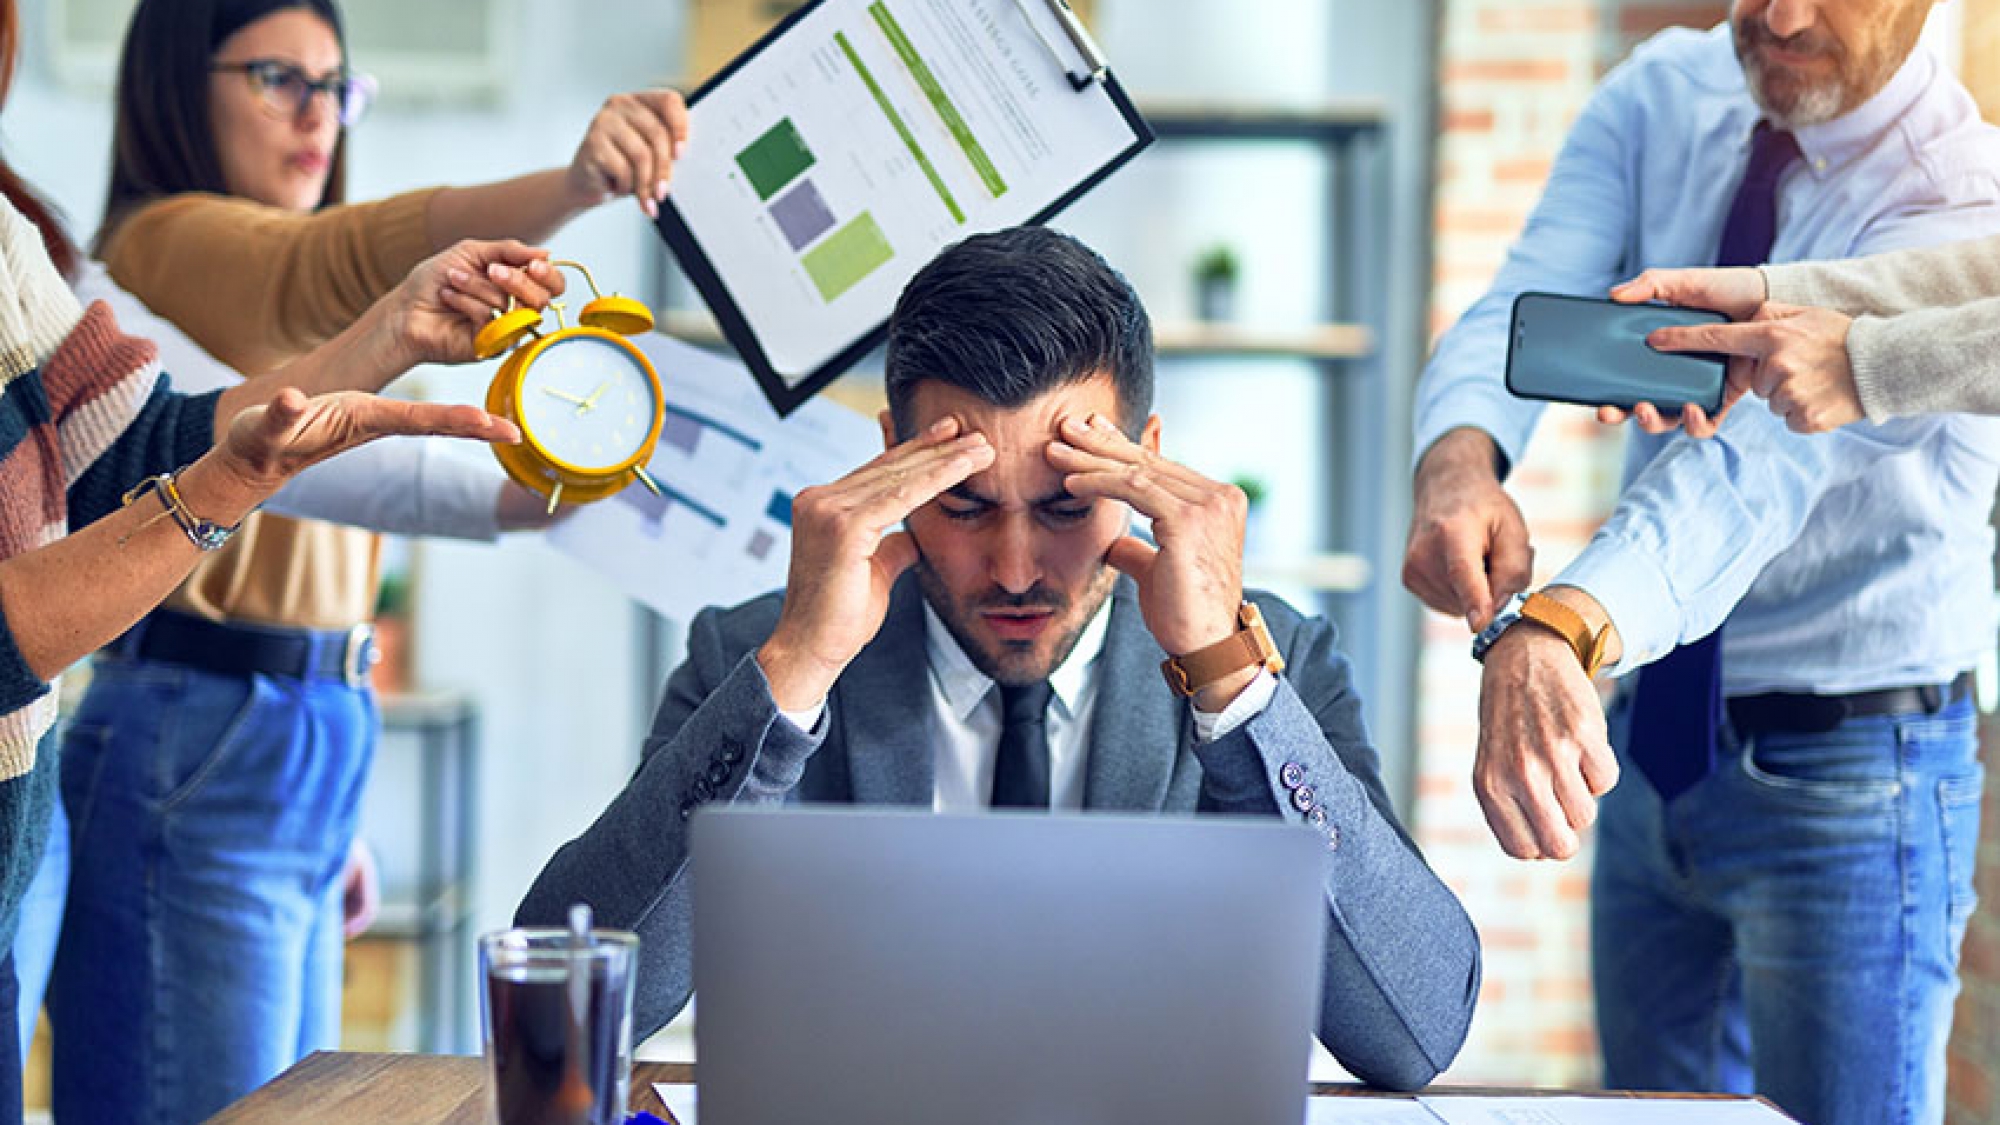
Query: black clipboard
[786,395]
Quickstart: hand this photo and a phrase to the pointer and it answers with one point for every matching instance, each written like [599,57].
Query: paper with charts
[728,468]
[1456,1109]
[839,158]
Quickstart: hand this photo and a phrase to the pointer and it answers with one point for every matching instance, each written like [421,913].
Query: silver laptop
[875,966]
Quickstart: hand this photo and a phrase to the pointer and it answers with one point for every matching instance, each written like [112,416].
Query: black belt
[344,656]
[1793,713]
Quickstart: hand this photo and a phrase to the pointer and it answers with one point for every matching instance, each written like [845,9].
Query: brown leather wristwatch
[1249,645]
[1568,624]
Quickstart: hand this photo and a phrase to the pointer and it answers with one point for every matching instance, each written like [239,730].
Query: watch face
[588,402]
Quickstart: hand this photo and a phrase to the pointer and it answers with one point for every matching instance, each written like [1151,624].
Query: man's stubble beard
[939,599]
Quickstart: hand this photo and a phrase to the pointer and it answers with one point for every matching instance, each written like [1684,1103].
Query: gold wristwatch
[1249,645]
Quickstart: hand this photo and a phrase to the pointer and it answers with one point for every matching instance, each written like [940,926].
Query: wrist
[1465,450]
[798,682]
[1566,614]
[1596,620]
[579,192]
[1215,698]
[1214,674]
[220,492]
[387,347]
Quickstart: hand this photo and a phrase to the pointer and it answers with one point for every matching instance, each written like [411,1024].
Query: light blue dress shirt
[1843,562]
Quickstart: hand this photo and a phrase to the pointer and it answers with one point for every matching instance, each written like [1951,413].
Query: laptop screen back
[886,966]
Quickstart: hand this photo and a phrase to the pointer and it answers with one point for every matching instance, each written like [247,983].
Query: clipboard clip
[1079,37]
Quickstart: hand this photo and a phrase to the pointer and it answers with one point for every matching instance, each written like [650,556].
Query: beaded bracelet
[203,534]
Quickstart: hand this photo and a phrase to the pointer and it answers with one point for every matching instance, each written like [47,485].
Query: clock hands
[583,405]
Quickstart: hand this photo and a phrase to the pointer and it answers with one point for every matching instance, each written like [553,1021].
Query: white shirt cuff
[1636,596]
[1248,704]
[807,720]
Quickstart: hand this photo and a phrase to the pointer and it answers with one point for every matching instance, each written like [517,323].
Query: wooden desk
[333,1086]
[338,1086]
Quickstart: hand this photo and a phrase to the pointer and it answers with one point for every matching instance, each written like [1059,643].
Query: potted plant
[1254,531]
[392,634]
[1215,274]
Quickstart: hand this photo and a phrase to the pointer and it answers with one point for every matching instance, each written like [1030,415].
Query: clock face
[588,402]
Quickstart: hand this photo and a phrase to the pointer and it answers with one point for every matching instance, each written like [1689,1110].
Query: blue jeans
[201,949]
[1791,925]
[41,922]
[25,804]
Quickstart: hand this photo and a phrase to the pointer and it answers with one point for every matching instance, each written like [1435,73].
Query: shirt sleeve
[1697,526]
[401,486]
[807,721]
[1575,242]
[1248,704]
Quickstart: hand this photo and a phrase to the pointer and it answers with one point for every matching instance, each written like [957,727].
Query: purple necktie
[1677,706]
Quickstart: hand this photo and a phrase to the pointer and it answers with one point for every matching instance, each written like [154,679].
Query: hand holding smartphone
[1593,352]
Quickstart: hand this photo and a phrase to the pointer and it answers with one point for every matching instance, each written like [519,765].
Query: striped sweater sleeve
[83,414]
[117,421]
[36,315]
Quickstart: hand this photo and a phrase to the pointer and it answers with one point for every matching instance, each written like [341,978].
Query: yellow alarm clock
[587,401]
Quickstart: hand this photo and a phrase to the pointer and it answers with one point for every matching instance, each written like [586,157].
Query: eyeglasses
[286,89]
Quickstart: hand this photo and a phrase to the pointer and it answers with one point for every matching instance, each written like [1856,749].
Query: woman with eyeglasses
[214,768]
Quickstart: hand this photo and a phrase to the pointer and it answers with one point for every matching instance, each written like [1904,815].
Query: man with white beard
[1783,879]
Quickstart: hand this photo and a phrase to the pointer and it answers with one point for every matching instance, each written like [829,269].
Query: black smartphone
[1593,352]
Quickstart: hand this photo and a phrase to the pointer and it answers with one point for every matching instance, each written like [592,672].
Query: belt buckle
[358,656]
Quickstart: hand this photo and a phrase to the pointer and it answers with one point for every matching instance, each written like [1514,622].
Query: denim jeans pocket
[1958,815]
[1850,769]
[218,709]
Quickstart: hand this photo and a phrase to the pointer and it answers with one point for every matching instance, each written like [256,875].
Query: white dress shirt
[966,717]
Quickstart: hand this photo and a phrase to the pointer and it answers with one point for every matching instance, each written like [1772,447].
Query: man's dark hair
[1012,315]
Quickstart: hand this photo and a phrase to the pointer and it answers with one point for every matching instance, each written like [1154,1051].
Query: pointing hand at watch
[1191,583]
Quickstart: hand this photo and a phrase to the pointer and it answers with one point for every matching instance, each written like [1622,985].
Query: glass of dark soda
[557,1016]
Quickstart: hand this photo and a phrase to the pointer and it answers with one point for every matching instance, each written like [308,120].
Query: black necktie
[1021,771]
[1677,706]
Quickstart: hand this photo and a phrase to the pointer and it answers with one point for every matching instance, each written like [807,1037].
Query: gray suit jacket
[1402,960]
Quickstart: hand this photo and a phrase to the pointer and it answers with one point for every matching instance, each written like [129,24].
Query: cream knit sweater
[1926,335]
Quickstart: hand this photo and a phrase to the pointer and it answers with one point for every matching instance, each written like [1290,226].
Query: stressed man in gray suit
[1006,648]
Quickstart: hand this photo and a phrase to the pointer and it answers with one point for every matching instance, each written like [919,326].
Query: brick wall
[1975,1036]
[1514,74]
[1974,1078]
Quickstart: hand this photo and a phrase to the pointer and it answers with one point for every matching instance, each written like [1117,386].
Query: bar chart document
[719,531]
[840,154]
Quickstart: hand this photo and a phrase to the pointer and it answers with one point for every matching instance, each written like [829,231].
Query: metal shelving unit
[421,816]
[1351,137]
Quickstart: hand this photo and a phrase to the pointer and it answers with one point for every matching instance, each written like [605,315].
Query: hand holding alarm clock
[587,401]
